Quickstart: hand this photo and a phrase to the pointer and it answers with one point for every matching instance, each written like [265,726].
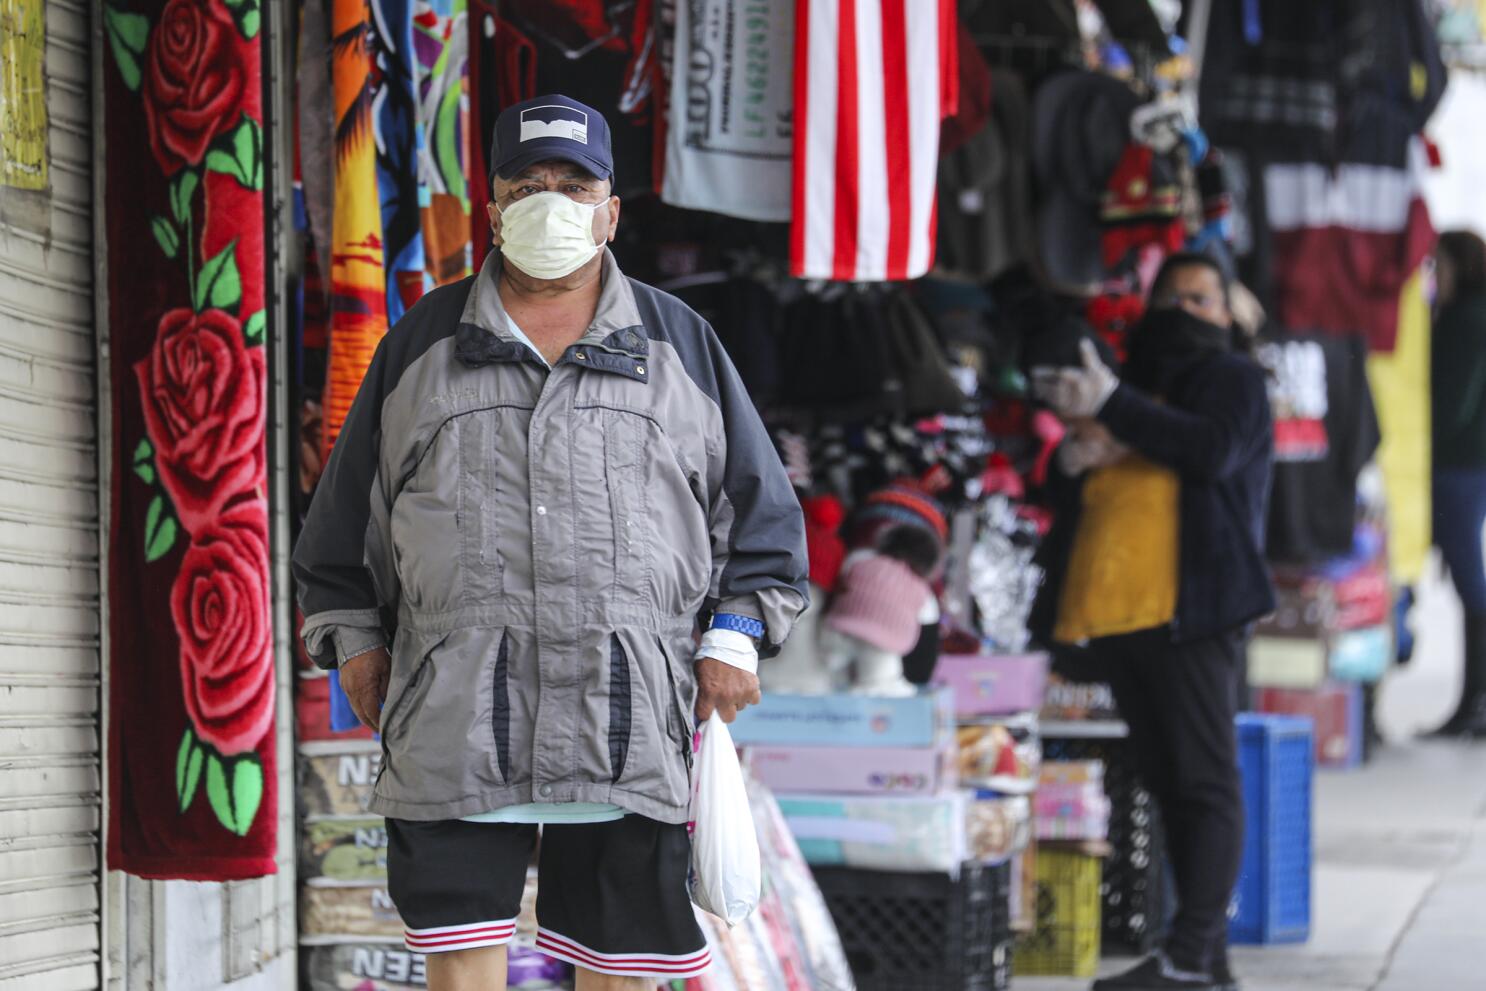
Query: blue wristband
[746,625]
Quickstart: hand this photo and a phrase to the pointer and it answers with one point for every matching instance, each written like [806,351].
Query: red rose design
[193,81]
[220,603]
[204,392]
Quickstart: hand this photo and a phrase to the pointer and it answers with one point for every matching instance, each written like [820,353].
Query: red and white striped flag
[873,78]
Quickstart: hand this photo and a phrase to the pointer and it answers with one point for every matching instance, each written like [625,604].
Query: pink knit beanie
[878,600]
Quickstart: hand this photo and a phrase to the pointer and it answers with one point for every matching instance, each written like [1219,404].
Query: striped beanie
[901,502]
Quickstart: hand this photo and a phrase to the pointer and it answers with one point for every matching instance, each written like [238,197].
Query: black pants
[1179,700]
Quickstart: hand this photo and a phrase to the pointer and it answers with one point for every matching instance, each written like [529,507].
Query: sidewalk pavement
[1399,896]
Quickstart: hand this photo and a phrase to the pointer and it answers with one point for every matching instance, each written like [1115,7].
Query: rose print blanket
[191,775]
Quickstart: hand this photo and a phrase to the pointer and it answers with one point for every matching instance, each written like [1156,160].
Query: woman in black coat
[1159,568]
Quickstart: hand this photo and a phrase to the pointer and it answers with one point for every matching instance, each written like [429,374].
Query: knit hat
[878,601]
[901,502]
[824,547]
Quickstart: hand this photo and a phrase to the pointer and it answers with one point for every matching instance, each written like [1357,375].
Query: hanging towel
[873,79]
[358,282]
[440,68]
[191,771]
[728,133]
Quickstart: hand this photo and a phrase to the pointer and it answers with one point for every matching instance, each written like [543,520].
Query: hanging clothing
[1344,242]
[440,78]
[729,134]
[594,51]
[873,79]
[985,223]
[358,283]
[400,146]
[1400,387]
[1326,430]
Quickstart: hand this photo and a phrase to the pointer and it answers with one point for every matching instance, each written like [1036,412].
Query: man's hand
[724,689]
[364,680]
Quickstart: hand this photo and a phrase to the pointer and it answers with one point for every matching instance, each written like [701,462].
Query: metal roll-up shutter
[50,776]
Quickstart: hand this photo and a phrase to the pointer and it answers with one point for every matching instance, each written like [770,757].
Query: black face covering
[1166,343]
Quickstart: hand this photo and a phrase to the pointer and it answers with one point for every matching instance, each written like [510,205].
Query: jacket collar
[616,341]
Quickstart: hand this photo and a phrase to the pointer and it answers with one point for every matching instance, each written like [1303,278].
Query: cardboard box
[1351,655]
[362,966]
[347,910]
[1287,662]
[1303,610]
[336,777]
[1311,605]
[998,826]
[854,770]
[344,848]
[923,720]
[1003,756]
[1070,700]
[1335,710]
[1361,655]
[880,832]
[989,685]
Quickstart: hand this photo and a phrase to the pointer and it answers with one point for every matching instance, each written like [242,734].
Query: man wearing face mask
[1156,565]
[552,475]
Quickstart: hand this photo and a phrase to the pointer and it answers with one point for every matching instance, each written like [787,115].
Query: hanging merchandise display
[1400,385]
[873,79]
[192,779]
[596,52]
[1324,102]
[358,273]
[729,132]
[400,152]
[1079,133]
[1326,430]
[985,186]
[1345,238]
[441,79]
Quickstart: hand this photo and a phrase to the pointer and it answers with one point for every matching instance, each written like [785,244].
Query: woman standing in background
[1459,416]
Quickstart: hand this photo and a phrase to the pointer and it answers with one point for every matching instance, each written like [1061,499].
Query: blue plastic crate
[1272,899]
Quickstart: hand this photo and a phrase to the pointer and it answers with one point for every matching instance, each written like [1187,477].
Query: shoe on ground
[1156,973]
[1223,979]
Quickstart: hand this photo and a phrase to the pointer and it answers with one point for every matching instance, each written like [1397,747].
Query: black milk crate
[923,932]
[1133,888]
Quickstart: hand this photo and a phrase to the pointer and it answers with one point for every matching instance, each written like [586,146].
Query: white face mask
[548,235]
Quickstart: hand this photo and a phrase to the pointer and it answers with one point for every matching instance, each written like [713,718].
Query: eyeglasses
[1174,300]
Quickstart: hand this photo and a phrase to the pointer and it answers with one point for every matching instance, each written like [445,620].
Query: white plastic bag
[725,874]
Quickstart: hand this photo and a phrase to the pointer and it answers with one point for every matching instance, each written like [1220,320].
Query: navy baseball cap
[548,128]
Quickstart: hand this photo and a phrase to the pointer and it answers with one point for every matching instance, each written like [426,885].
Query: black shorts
[611,897]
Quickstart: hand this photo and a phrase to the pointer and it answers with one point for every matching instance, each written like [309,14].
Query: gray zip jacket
[541,545]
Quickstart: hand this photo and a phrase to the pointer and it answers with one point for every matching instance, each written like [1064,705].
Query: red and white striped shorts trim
[443,939]
[657,965]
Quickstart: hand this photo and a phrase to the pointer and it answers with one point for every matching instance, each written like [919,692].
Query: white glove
[1084,450]
[1076,393]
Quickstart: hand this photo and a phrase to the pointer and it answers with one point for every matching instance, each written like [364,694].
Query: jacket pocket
[629,510]
[425,525]
[621,707]
[401,692]
[500,709]
[479,504]
[682,722]
[440,746]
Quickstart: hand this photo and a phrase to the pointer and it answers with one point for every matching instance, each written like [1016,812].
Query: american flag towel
[873,78]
